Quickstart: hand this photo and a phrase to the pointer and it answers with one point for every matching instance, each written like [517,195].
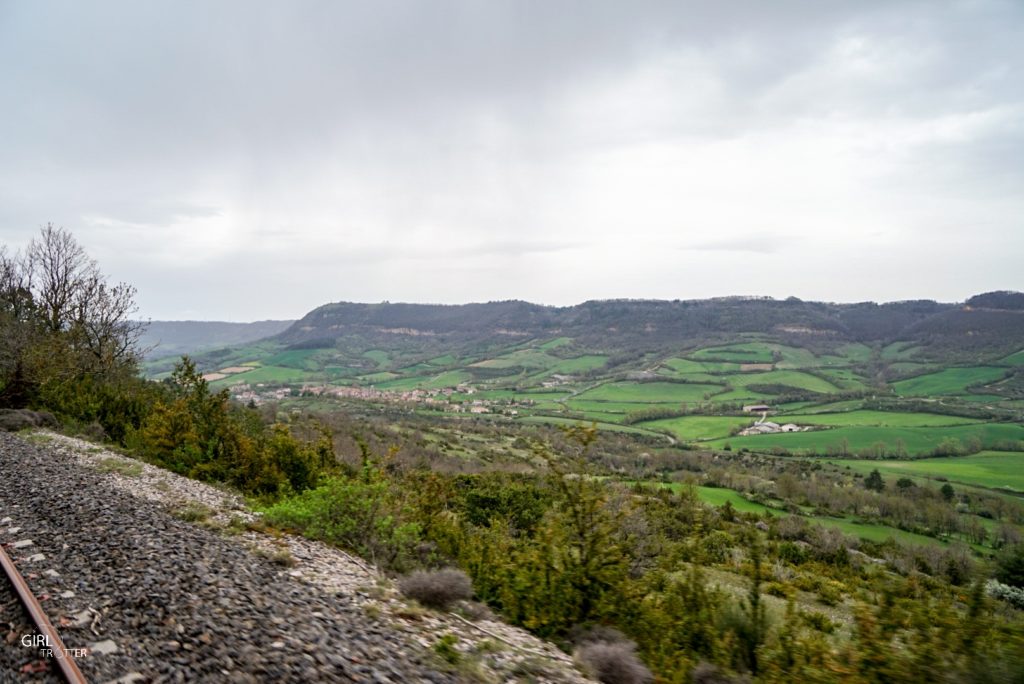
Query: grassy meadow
[990,469]
[948,381]
[855,439]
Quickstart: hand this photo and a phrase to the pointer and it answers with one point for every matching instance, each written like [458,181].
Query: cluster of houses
[440,399]
[258,394]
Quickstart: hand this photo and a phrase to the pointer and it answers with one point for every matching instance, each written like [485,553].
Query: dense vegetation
[849,562]
[69,347]
[559,548]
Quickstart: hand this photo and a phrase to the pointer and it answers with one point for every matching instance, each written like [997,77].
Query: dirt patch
[756,366]
[235,369]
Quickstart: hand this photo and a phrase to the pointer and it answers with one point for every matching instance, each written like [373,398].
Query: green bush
[1010,566]
[366,517]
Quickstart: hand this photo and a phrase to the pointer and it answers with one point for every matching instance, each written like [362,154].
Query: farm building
[761,428]
[766,427]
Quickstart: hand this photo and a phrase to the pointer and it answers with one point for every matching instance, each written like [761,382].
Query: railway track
[43,639]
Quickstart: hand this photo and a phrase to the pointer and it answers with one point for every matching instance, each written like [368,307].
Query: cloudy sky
[248,160]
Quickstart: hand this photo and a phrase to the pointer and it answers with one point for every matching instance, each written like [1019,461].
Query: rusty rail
[68,667]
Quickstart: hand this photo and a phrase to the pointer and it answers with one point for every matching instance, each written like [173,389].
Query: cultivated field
[991,469]
[948,381]
[883,440]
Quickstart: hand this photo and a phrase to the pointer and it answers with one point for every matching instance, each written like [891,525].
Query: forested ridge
[944,329]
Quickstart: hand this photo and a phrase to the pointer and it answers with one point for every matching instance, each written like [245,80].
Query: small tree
[1010,566]
[947,492]
[874,481]
[755,625]
[62,323]
[581,532]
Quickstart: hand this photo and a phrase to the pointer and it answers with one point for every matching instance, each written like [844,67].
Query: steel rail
[68,667]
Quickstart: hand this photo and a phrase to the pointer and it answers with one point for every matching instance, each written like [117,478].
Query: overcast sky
[249,160]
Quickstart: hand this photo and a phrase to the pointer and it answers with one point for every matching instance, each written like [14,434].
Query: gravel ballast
[154,598]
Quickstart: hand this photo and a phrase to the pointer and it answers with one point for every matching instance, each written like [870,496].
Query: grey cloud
[515,249]
[761,243]
[323,136]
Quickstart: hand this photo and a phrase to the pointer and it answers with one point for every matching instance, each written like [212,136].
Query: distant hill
[942,328]
[1006,300]
[174,338]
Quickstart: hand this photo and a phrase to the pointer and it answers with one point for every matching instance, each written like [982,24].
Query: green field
[878,418]
[554,420]
[527,358]
[382,376]
[856,439]
[294,358]
[803,358]
[650,392]
[717,496]
[556,343]
[403,383]
[909,367]
[872,532]
[948,381]
[513,395]
[991,469]
[579,364]
[744,395]
[379,357]
[1015,359]
[705,378]
[790,378]
[426,381]
[265,374]
[750,352]
[448,379]
[692,428]
[691,367]
[855,351]
[830,407]
[619,408]
[843,378]
[899,351]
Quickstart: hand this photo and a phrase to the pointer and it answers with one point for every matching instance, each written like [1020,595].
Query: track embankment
[152,577]
[154,598]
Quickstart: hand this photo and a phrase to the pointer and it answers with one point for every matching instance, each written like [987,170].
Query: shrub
[120,466]
[365,517]
[437,588]
[445,647]
[1012,595]
[613,663]
[829,593]
[792,553]
[706,673]
[1010,566]
[583,634]
[13,420]
[818,621]
[777,589]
